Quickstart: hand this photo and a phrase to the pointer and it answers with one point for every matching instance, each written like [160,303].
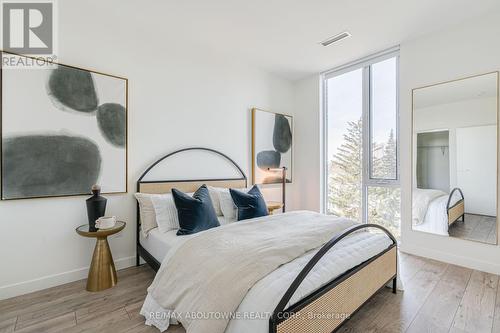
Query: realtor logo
[28,27]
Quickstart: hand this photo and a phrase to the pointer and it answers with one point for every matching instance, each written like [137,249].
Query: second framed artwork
[63,130]
[272,146]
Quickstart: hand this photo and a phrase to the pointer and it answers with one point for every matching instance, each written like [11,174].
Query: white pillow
[229,209]
[166,212]
[214,196]
[146,212]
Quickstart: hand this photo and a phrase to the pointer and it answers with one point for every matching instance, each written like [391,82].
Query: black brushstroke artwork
[282,134]
[282,141]
[111,118]
[268,159]
[48,165]
[280,154]
[73,88]
[56,163]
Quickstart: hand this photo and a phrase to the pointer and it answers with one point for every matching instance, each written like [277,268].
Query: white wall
[308,135]
[432,160]
[450,116]
[459,51]
[179,95]
[477,168]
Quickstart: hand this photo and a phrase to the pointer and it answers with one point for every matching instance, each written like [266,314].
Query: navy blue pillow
[249,204]
[195,213]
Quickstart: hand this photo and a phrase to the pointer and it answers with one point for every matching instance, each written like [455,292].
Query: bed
[436,211]
[315,283]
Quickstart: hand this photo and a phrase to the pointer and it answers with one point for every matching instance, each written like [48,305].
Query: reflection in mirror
[455,158]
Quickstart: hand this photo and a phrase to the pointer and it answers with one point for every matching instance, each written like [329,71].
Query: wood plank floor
[477,228]
[438,297]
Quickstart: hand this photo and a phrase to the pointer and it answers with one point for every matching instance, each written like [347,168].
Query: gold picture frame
[121,142]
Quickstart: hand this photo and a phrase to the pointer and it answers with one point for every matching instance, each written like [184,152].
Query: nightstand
[272,206]
[102,273]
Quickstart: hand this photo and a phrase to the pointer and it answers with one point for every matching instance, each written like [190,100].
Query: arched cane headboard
[189,185]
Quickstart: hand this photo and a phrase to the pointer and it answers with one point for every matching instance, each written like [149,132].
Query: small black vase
[96,207]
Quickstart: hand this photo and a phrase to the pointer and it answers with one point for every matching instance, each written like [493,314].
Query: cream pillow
[166,212]
[214,196]
[146,212]
[228,208]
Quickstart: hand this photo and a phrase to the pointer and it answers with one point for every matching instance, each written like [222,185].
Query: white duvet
[420,204]
[254,310]
[430,212]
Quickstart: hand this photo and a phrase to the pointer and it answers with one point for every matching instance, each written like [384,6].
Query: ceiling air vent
[336,38]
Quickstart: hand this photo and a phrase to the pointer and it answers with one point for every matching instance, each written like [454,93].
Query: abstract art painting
[272,146]
[63,130]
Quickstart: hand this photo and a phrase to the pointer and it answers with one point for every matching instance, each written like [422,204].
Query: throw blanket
[210,274]
[420,203]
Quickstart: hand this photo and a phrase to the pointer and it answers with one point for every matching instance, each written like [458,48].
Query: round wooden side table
[102,273]
[272,206]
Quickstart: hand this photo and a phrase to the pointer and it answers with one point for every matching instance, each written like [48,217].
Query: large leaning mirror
[455,128]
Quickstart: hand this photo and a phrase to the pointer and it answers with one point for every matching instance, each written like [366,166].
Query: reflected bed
[435,211]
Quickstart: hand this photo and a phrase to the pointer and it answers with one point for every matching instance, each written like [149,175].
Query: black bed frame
[141,251]
[280,311]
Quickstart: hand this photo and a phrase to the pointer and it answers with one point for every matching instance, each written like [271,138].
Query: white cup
[105,222]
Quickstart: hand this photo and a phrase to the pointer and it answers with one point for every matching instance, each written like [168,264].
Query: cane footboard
[326,309]
[327,312]
[457,210]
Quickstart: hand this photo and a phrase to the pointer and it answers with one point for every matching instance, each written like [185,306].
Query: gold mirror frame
[497,73]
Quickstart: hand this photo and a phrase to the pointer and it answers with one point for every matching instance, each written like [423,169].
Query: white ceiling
[282,36]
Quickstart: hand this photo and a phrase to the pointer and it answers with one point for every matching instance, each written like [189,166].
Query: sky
[345,99]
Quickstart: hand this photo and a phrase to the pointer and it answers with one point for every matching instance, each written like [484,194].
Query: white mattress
[158,243]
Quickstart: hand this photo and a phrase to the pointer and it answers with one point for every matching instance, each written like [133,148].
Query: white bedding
[158,244]
[435,217]
[262,298]
[421,201]
[265,294]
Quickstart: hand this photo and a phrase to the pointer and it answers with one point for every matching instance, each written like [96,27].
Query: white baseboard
[49,281]
[484,266]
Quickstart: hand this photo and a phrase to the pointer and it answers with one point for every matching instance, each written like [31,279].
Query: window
[345,112]
[383,120]
[361,142]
